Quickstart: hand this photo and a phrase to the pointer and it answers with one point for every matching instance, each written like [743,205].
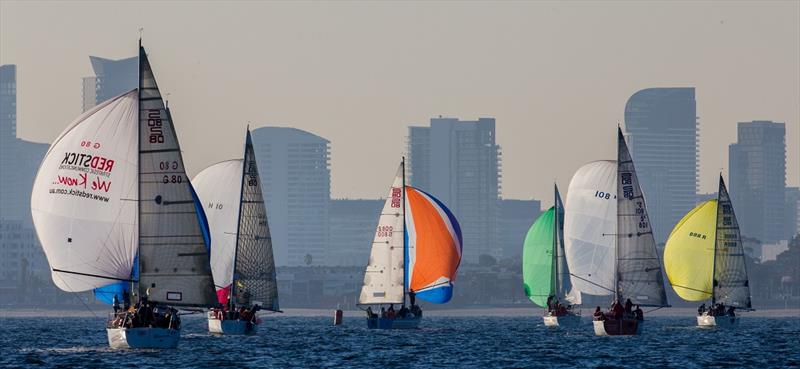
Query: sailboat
[545,273]
[704,259]
[416,252]
[241,252]
[115,212]
[609,242]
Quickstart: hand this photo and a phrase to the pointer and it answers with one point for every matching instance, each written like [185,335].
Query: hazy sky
[556,76]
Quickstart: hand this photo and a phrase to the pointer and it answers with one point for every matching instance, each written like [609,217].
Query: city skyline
[330,78]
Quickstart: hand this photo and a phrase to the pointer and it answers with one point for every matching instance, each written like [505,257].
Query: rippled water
[463,342]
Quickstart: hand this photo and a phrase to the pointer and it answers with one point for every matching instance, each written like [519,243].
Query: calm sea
[463,342]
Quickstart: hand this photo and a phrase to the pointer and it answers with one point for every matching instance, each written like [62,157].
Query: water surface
[463,342]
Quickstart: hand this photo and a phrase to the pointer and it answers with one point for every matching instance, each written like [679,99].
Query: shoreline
[472,312]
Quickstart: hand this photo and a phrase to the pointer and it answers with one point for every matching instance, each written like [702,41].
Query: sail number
[90,144]
[602,195]
[172,179]
[154,125]
[167,165]
[384,231]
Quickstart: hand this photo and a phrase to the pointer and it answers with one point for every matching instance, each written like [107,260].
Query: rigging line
[94,275]
[650,311]
[584,279]
[689,288]
[79,298]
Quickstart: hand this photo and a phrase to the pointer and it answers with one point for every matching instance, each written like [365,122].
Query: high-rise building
[662,132]
[757,165]
[19,159]
[296,181]
[351,227]
[21,256]
[459,163]
[112,77]
[8,103]
[792,219]
[515,218]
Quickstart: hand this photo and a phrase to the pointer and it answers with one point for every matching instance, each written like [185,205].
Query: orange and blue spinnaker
[433,247]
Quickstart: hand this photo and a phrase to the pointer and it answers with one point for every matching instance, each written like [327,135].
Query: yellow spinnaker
[689,253]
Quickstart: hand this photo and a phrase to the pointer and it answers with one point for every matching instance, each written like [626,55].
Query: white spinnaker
[85,207]
[219,190]
[590,225]
[383,279]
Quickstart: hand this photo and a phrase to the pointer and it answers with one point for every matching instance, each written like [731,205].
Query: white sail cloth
[384,277]
[590,227]
[218,187]
[84,197]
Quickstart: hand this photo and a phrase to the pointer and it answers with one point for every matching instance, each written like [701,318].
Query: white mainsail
[384,277]
[590,225]
[173,252]
[84,197]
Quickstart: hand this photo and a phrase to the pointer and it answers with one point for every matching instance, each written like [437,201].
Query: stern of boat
[229,326]
[386,323]
[710,321]
[143,338]
[614,327]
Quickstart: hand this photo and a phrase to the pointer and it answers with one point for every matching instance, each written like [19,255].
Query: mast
[134,286]
[616,223]
[405,244]
[238,222]
[554,283]
[714,254]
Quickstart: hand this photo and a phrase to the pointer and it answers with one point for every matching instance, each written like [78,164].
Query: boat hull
[710,321]
[562,321]
[143,338]
[615,327]
[230,327]
[386,323]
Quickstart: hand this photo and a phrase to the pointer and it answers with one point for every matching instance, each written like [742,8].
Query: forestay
[731,285]
[84,197]
[384,277]
[590,225]
[173,253]
[638,266]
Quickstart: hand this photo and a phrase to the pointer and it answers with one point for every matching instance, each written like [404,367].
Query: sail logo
[397,195]
[252,174]
[74,160]
[83,181]
[697,235]
[154,125]
[627,185]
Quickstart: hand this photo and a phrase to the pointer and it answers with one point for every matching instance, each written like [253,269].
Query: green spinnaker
[537,259]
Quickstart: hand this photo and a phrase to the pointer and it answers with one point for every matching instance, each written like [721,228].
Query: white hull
[141,338]
[229,326]
[386,323]
[708,321]
[626,327]
[562,321]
